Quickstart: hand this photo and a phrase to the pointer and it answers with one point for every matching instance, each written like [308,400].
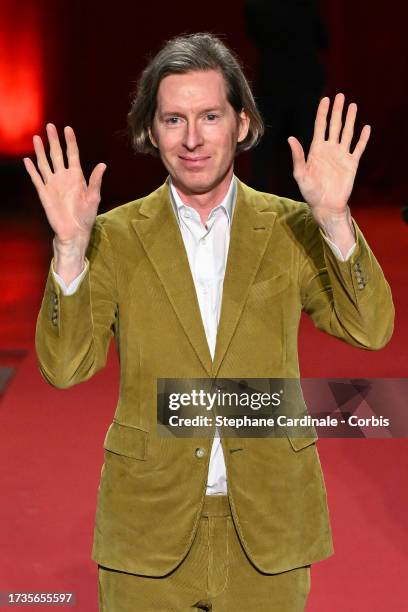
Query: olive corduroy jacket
[139,290]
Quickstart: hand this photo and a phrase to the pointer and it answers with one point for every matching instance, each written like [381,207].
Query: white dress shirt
[207,250]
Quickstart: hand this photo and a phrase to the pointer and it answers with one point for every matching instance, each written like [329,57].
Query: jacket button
[200,452]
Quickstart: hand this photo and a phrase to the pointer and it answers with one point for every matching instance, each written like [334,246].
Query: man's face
[196,130]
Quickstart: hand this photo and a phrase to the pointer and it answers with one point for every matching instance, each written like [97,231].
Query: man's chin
[197,182]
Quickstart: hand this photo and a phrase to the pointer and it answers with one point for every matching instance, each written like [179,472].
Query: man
[195,523]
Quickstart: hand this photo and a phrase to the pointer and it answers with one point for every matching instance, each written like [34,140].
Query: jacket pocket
[126,440]
[265,289]
[299,443]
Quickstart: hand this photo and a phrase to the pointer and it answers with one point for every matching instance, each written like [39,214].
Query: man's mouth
[194,161]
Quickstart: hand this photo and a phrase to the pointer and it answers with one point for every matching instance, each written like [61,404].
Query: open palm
[326,179]
[69,202]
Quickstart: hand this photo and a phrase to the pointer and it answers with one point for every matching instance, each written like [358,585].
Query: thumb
[95,180]
[298,156]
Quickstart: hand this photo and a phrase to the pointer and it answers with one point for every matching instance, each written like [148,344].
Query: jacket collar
[228,203]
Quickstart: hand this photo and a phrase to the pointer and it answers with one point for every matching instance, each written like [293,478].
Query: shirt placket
[206,253]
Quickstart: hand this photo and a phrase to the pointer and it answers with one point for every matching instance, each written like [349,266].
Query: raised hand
[326,179]
[69,202]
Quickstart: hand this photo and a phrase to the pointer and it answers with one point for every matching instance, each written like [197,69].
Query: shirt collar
[228,203]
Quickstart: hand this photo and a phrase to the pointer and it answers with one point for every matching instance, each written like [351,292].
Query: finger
[34,174]
[56,154]
[42,160]
[335,120]
[95,181]
[298,157]
[321,120]
[72,148]
[348,130]
[362,143]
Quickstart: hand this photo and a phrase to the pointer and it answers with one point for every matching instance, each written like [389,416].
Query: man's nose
[192,136]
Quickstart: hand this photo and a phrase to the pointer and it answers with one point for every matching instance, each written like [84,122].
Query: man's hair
[187,53]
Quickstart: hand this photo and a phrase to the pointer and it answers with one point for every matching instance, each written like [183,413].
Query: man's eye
[211,116]
[172,120]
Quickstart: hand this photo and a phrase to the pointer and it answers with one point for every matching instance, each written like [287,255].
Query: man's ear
[243,122]
[152,138]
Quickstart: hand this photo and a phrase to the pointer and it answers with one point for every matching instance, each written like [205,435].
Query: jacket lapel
[158,231]
[161,238]
[250,232]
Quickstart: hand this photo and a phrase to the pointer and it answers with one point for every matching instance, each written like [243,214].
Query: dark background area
[93,53]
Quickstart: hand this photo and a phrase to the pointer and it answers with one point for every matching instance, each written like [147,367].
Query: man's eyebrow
[213,109]
[175,113]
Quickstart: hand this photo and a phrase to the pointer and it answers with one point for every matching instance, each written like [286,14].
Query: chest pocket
[271,287]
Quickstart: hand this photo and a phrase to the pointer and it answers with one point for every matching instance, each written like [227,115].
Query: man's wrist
[336,226]
[69,257]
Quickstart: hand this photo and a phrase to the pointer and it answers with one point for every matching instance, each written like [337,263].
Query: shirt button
[186,214]
[200,452]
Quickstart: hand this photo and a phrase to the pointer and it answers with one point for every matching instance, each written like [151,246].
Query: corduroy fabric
[216,575]
[139,290]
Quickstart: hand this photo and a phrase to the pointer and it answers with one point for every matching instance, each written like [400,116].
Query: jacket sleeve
[73,332]
[348,299]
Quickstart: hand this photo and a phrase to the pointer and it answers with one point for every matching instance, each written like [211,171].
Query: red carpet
[51,454]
